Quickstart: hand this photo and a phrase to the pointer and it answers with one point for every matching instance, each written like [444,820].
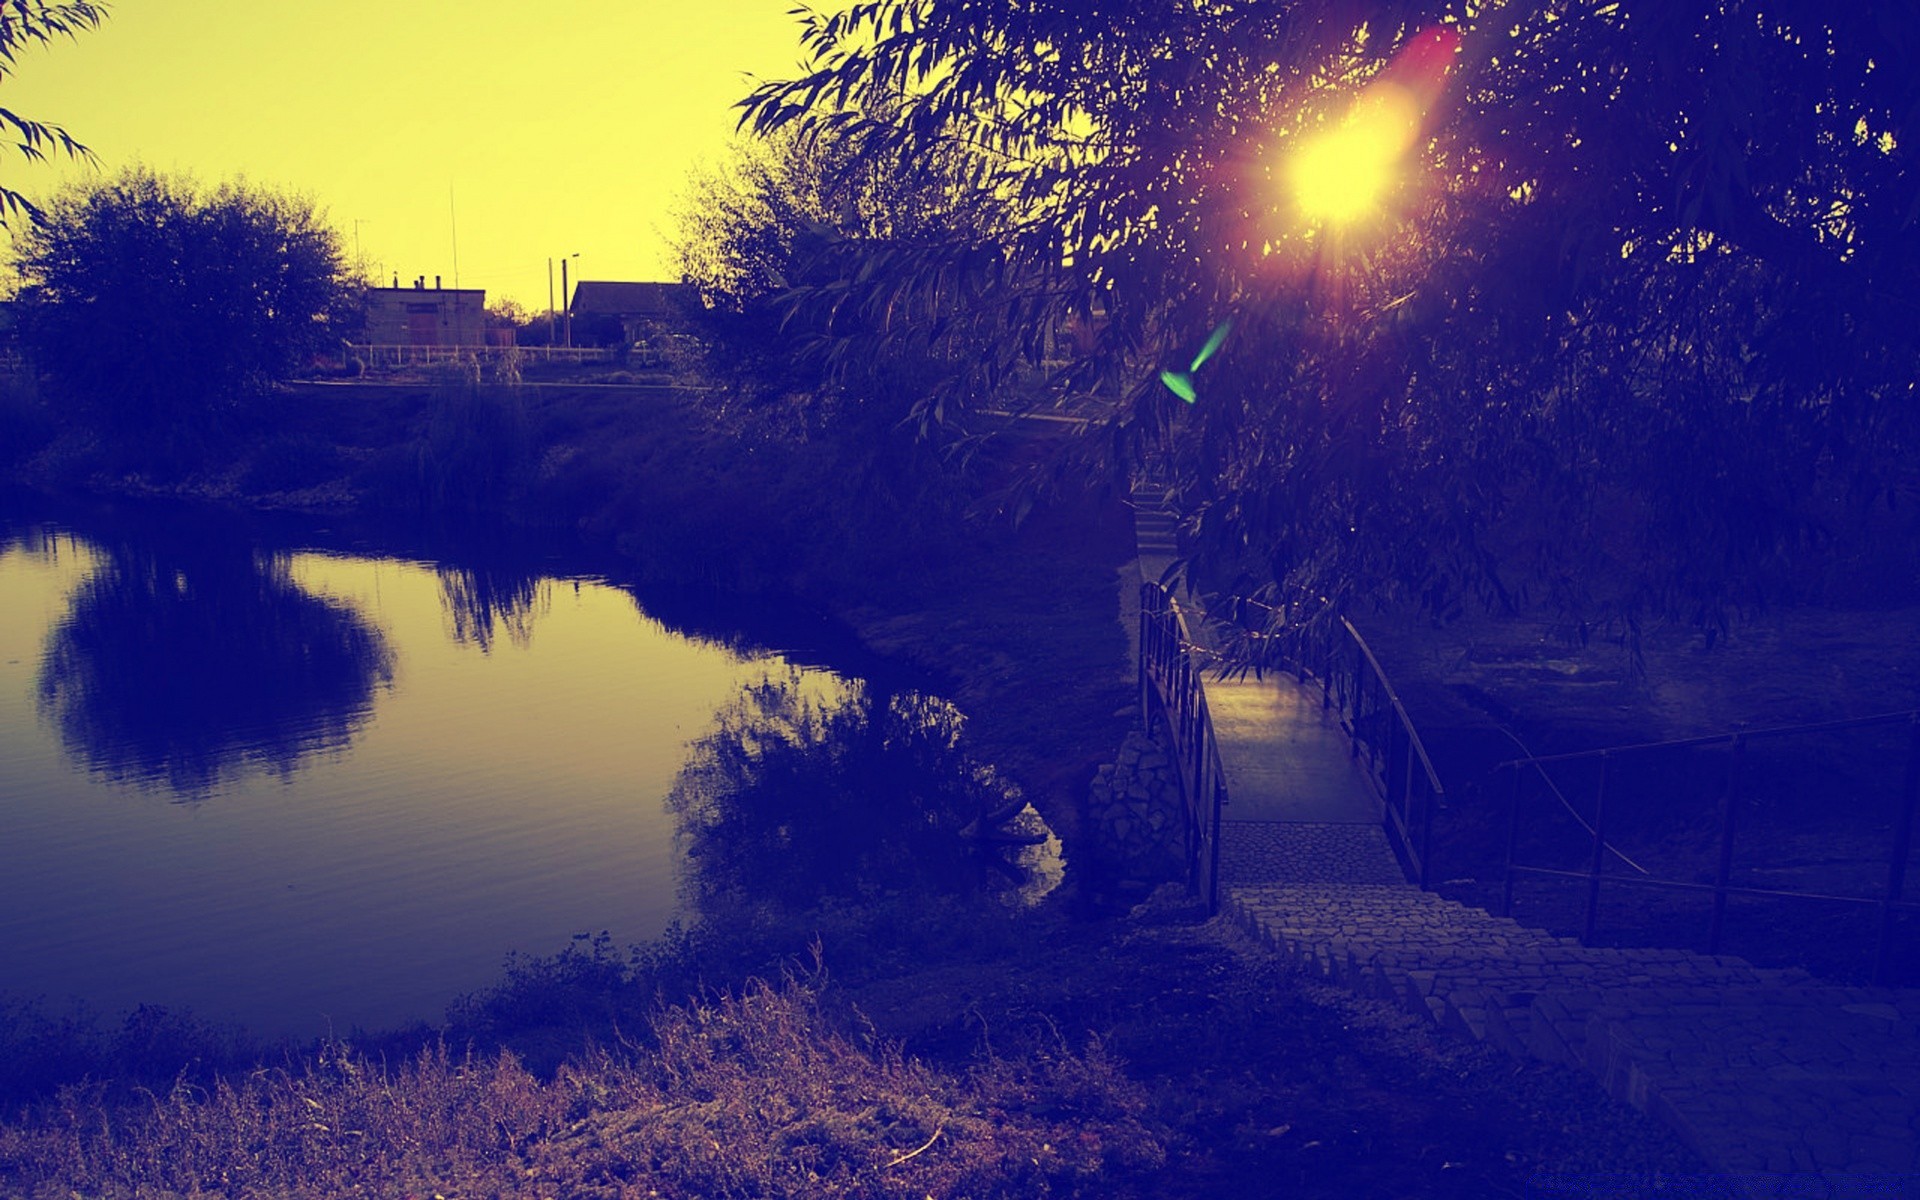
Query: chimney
[436,283]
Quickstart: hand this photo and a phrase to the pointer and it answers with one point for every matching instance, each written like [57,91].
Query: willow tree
[780,240]
[773,235]
[1617,326]
[25,23]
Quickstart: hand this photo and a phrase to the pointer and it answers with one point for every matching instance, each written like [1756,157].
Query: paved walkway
[1759,1071]
[1285,757]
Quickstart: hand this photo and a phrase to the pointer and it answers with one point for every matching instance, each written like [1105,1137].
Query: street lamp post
[566,313]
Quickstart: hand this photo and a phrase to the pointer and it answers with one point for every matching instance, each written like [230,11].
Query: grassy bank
[1048,1057]
[751,1094]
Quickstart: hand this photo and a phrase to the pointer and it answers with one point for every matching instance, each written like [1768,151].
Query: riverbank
[1195,1064]
[661,486]
[1105,1059]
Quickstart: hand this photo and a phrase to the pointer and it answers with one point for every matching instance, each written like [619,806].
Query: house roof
[627,299]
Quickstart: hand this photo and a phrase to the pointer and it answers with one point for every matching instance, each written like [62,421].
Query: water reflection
[812,788]
[482,602]
[183,665]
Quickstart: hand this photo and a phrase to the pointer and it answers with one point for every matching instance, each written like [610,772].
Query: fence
[1809,805]
[377,357]
[1170,685]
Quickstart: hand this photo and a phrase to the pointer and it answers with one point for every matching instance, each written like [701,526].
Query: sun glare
[1342,175]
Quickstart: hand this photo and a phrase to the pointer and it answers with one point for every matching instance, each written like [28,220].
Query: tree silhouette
[159,313]
[185,667]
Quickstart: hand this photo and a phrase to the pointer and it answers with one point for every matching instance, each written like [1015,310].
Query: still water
[303,789]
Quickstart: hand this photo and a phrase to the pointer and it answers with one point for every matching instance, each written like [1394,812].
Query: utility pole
[566,315]
[549,301]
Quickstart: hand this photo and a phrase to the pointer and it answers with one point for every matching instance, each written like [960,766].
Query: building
[641,309]
[427,316]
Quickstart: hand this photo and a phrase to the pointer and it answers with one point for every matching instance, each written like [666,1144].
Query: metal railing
[1380,733]
[389,356]
[1170,685]
[1890,903]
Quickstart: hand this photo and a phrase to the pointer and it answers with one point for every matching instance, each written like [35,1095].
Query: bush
[46,1050]
[476,454]
[26,427]
[157,311]
[291,462]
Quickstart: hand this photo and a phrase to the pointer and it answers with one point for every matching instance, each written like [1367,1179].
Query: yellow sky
[560,127]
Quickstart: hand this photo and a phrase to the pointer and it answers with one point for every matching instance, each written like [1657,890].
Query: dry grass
[751,1094]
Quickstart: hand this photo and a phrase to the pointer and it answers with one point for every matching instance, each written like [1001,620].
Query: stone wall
[1133,814]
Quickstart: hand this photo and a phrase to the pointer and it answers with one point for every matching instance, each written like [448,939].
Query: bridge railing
[1170,683]
[1740,806]
[1380,733]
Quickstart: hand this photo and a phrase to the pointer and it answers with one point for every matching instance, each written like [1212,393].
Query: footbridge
[1309,804]
[1313,772]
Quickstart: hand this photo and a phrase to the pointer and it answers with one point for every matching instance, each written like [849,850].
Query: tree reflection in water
[810,789]
[183,667]
[479,602]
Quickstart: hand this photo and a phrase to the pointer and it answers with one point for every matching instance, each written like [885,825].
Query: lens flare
[1343,174]
[1180,383]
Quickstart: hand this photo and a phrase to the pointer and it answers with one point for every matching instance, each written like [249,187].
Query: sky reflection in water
[307,791]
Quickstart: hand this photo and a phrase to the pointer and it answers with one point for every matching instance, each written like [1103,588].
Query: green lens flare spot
[1180,384]
[1214,339]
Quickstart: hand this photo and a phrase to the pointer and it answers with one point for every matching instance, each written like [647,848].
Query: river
[304,783]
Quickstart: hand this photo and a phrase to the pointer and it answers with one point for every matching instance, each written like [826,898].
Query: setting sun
[1343,173]
[1340,176]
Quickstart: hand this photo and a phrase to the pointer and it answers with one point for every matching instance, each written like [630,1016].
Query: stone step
[1270,853]
[1481,973]
[1154,520]
[1758,1069]
[1798,1079]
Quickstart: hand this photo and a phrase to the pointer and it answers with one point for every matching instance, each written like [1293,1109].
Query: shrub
[476,454]
[26,427]
[291,462]
[46,1050]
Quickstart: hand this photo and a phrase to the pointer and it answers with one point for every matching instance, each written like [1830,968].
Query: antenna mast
[453,226]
